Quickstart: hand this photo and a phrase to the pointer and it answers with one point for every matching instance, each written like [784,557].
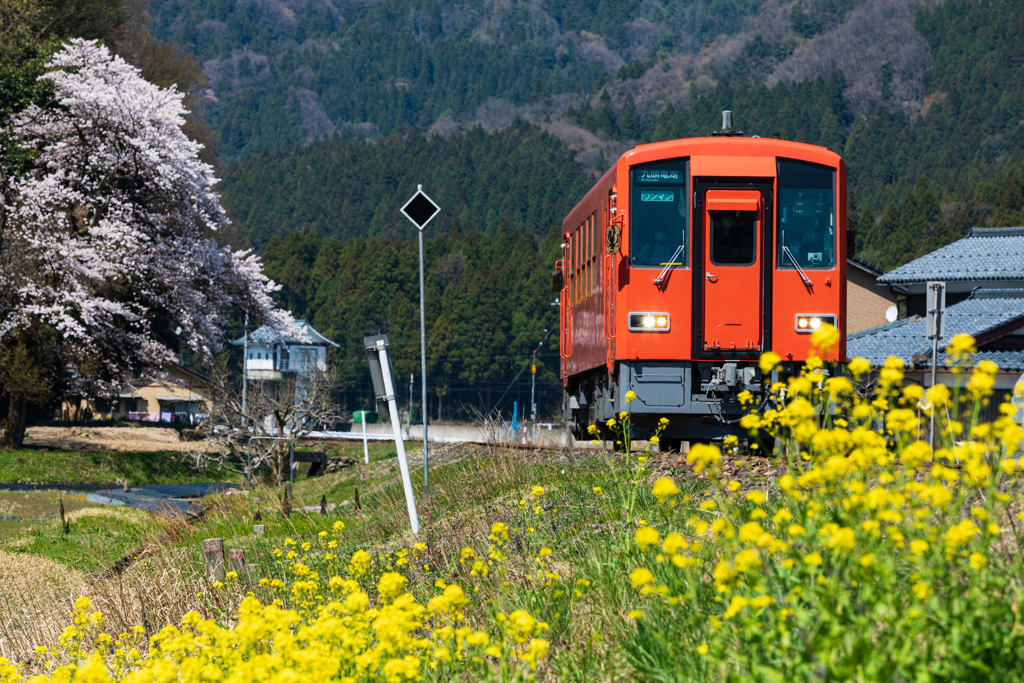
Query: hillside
[330,113]
[904,92]
[345,188]
[921,101]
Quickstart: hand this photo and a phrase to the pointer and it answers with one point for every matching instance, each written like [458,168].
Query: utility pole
[383,377]
[533,388]
[936,329]
[411,375]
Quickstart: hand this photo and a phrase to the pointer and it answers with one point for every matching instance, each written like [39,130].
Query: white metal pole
[403,464]
[423,362]
[366,448]
[245,362]
[245,375]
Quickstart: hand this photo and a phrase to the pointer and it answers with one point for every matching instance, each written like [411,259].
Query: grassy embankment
[95,539]
[40,564]
[863,555]
[30,466]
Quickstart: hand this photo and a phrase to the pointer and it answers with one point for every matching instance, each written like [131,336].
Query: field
[39,466]
[855,553]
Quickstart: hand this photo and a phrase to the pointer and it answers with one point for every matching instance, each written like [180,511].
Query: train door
[733,229]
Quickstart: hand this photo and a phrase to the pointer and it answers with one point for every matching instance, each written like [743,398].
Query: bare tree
[290,407]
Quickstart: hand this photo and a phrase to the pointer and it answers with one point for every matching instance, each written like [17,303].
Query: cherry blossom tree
[107,217]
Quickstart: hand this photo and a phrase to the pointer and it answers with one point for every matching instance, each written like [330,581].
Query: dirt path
[127,438]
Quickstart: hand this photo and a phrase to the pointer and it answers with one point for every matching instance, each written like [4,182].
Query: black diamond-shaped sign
[420,209]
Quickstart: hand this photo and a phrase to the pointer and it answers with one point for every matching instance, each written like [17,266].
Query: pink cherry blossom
[107,237]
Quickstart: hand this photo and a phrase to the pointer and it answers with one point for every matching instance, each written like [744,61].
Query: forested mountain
[952,123]
[922,100]
[290,70]
[488,306]
[328,113]
[344,187]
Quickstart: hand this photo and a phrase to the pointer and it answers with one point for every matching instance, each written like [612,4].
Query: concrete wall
[550,438]
[866,302]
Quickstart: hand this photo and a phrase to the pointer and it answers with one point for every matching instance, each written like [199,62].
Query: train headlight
[649,322]
[809,322]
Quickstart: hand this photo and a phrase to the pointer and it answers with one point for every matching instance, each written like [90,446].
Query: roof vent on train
[727,128]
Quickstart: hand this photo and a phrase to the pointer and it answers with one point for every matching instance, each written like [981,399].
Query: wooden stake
[236,561]
[213,553]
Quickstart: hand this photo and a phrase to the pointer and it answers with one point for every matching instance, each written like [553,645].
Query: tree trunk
[14,427]
[278,447]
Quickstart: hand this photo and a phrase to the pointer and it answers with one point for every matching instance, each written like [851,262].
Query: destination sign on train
[654,175]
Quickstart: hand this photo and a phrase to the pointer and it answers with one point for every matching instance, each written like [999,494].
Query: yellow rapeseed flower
[769,359]
[664,488]
[645,537]
[640,577]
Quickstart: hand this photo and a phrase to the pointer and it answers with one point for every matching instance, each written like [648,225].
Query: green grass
[468,495]
[29,466]
[35,505]
[97,538]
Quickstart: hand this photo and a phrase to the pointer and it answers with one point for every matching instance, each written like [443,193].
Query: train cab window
[733,238]
[659,207]
[806,215]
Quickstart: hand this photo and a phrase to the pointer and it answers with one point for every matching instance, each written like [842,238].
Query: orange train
[683,264]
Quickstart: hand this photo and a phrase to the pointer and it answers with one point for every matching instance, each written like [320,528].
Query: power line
[521,370]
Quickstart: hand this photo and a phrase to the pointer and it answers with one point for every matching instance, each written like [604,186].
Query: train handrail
[564,314]
[609,320]
[608,293]
[609,265]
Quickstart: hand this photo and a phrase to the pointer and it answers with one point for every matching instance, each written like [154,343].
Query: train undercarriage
[700,399]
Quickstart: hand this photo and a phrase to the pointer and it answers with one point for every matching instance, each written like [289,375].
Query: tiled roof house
[984,276]
[271,354]
[992,258]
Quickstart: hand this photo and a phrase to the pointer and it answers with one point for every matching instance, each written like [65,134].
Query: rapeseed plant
[870,557]
[866,555]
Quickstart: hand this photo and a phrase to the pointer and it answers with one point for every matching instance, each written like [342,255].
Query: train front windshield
[807,215]
[659,204]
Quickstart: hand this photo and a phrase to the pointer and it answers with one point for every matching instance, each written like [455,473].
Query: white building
[271,355]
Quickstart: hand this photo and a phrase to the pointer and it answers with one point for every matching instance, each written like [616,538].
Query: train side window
[733,238]
[592,256]
[660,213]
[806,215]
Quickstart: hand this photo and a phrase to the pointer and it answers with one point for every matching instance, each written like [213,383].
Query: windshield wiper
[671,262]
[803,275]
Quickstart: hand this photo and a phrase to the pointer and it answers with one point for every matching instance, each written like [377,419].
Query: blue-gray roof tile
[985,254]
[268,336]
[984,311]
